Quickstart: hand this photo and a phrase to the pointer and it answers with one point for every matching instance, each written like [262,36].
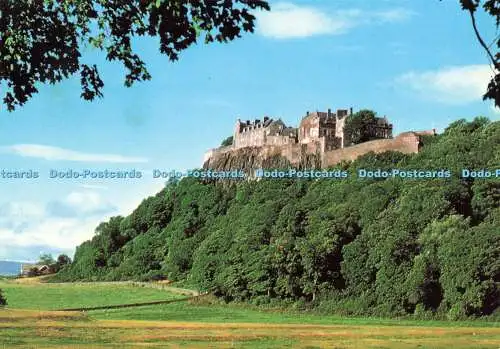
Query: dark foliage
[3,301]
[42,41]
[358,126]
[33,272]
[227,141]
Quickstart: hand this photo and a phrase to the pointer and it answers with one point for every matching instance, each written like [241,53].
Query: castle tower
[236,133]
[341,117]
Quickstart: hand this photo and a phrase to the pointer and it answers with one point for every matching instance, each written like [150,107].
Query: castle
[319,133]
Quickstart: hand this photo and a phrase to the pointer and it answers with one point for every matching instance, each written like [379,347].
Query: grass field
[217,313]
[38,296]
[196,324]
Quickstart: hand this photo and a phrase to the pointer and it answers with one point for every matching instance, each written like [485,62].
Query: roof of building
[322,115]
[290,131]
[257,122]
[275,122]
[27,267]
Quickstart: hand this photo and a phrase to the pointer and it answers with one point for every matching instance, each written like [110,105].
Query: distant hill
[9,268]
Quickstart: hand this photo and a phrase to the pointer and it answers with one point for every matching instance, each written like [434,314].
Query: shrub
[456,313]
[3,301]
[33,272]
[228,141]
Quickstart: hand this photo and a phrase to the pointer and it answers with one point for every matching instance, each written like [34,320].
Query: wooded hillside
[353,246]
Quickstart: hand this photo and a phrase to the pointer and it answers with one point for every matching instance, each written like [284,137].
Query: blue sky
[417,62]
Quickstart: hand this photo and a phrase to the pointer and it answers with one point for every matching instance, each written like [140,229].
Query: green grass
[46,296]
[60,296]
[36,329]
[205,323]
[222,313]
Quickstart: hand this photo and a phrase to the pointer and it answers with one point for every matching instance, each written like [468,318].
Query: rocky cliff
[252,158]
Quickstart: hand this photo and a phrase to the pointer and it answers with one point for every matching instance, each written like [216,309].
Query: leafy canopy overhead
[42,40]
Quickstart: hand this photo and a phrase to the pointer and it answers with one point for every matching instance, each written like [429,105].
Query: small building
[28,270]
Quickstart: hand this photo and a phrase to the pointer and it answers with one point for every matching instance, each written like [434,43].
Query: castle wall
[407,142]
[292,152]
[279,140]
[339,130]
[426,132]
[308,129]
[250,138]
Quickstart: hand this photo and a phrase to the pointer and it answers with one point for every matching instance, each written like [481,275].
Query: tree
[3,301]
[492,7]
[43,40]
[357,126]
[46,259]
[62,261]
[228,141]
[33,272]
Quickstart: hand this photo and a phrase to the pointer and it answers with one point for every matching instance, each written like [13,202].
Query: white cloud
[25,237]
[393,15]
[22,209]
[80,204]
[286,20]
[452,85]
[58,224]
[30,228]
[18,215]
[84,200]
[55,153]
[57,233]
[291,21]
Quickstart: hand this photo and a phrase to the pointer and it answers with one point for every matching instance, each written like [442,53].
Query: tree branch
[481,41]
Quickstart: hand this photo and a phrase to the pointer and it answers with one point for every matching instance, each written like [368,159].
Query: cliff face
[252,158]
